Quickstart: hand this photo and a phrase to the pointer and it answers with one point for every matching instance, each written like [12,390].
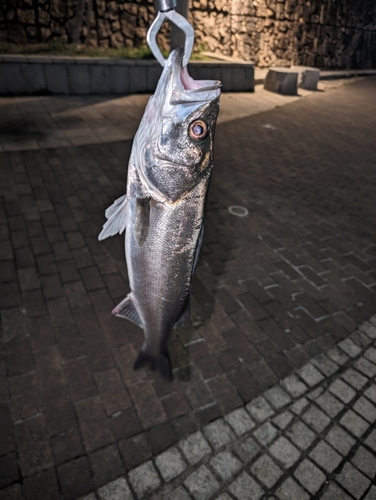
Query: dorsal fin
[141,226]
[126,309]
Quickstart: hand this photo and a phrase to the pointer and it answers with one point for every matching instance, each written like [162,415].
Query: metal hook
[177,19]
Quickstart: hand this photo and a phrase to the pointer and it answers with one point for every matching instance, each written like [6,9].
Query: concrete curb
[41,75]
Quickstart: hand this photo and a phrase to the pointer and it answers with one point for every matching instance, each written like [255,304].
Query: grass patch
[59,48]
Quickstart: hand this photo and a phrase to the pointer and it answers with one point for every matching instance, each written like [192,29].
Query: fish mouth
[187,89]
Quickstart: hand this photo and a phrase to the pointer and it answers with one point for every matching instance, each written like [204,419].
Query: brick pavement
[271,290]
[312,435]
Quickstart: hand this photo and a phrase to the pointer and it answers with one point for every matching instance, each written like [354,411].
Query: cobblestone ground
[310,436]
[272,290]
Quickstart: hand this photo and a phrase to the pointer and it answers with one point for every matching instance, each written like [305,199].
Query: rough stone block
[266,433]
[352,480]
[202,484]
[116,490]
[225,465]
[300,435]
[144,479]
[340,440]
[13,81]
[260,409]
[218,433]
[309,476]
[326,457]
[277,397]
[282,81]
[170,464]
[245,488]
[290,490]
[284,452]
[310,375]
[266,471]
[195,447]
[246,450]
[308,78]
[240,421]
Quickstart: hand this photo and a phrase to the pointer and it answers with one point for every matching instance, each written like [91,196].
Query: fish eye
[198,130]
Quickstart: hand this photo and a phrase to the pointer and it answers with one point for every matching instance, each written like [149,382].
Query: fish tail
[160,363]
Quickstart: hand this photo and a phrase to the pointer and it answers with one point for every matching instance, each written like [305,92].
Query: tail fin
[161,364]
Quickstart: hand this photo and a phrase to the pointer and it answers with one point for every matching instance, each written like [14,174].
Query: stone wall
[322,33]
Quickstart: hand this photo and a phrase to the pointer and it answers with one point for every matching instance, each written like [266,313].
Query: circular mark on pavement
[238,211]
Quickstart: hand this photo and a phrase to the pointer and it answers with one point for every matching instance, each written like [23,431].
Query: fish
[162,211]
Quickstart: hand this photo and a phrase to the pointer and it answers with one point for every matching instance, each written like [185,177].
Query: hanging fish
[163,208]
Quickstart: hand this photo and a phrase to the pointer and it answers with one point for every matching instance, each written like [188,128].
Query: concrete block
[119,79]
[57,78]
[13,82]
[35,77]
[138,79]
[153,74]
[226,78]
[307,77]
[99,79]
[79,79]
[282,81]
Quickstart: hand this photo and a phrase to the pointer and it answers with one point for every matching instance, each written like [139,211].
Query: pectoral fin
[141,226]
[127,309]
[117,218]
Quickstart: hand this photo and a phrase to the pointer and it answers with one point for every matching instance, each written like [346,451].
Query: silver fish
[163,209]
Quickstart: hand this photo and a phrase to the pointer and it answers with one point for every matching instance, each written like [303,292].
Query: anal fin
[126,309]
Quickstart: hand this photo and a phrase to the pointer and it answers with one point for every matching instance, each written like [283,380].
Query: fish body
[163,209]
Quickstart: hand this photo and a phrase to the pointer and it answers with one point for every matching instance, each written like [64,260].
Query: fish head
[174,143]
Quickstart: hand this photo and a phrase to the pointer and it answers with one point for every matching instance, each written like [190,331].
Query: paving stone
[75,478]
[246,450]
[352,480]
[354,423]
[300,435]
[316,419]
[170,464]
[365,366]
[178,494]
[371,354]
[349,348]
[284,452]
[325,456]
[277,397]
[313,395]
[324,364]
[90,496]
[334,492]
[309,476]
[364,461]
[106,465]
[245,488]
[354,378]
[370,393]
[116,490]
[366,409]
[225,465]
[342,390]
[369,329]
[218,433]
[290,490]
[266,471]
[294,386]
[240,421]
[329,404]
[340,440]
[223,496]
[283,420]
[266,433]
[371,495]
[310,375]
[259,409]
[299,406]
[12,493]
[144,479]
[202,484]
[337,355]
[195,447]
[371,440]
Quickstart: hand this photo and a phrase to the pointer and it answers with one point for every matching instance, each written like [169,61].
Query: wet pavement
[293,278]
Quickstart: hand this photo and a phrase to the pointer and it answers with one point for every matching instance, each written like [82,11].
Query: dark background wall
[322,33]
